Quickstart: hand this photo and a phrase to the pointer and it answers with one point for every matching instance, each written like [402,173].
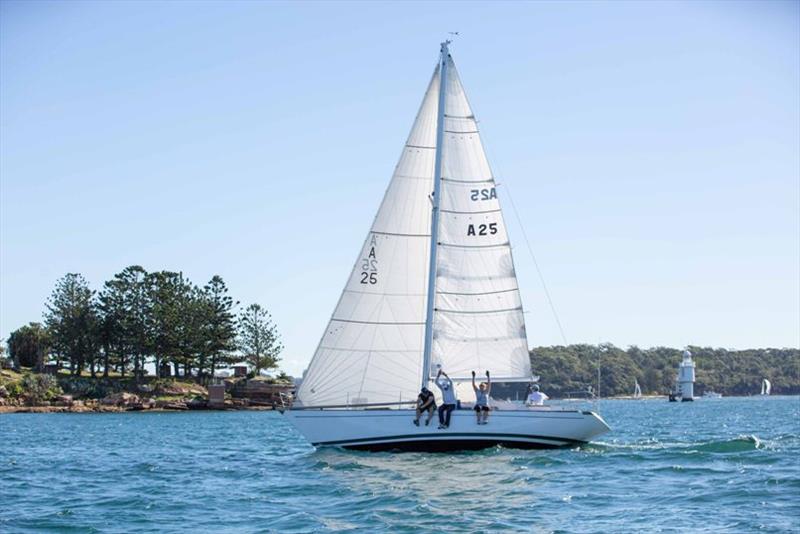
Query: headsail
[371,350]
[478,322]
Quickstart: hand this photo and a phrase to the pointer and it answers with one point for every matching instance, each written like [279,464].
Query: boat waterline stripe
[401,412]
[449,436]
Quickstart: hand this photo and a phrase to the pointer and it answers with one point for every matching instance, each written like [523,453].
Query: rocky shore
[132,404]
[29,392]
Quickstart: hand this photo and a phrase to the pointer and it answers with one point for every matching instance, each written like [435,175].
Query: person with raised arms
[445,385]
[482,399]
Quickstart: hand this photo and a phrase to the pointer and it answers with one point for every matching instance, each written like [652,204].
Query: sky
[652,150]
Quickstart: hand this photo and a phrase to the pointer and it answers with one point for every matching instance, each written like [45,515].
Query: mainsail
[374,346]
[766,387]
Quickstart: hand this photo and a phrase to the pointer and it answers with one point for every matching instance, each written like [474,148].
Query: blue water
[728,465]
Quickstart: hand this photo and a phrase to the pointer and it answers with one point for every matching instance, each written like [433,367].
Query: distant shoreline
[100,408]
[114,409]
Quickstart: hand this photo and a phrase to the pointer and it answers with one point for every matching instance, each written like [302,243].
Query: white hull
[392,429]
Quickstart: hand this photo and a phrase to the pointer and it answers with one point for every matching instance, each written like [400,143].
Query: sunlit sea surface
[715,465]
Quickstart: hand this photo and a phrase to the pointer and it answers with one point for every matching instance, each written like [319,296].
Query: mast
[437,179]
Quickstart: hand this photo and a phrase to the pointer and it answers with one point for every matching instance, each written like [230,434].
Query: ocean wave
[741,443]
[738,444]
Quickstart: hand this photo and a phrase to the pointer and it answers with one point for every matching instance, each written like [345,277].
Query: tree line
[141,317]
[568,370]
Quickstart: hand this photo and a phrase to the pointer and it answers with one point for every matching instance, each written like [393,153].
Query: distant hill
[567,369]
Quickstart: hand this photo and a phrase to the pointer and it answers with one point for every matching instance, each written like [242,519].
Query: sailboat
[433,287]
[766,387]
[637,389]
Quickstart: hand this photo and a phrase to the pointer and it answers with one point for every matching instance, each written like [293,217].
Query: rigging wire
[492,155]
[536,264]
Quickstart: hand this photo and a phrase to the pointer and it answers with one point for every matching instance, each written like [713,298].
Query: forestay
[372,349]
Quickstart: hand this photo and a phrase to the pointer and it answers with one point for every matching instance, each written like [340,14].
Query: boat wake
[742,443]
[739,444]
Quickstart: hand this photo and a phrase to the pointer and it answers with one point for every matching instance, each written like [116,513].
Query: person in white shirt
[536,397]
[445,385]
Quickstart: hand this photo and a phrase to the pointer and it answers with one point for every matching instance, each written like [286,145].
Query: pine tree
[219,333]
[137,320]
[113,314]
[167,292]
[71,320]
[258,338]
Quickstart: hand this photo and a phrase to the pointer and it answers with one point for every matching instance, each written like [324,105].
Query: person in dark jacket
[425,403]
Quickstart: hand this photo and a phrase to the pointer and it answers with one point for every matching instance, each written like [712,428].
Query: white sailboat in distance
[433,287]
[637,389]
[766,387]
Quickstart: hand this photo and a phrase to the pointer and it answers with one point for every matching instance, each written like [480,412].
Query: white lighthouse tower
[686,377]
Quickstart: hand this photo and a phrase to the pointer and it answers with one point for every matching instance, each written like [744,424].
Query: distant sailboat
[637,390]
[766,387]
[433,287]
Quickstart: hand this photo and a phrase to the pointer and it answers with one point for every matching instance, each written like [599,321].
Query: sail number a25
[369,264]
[482,229]
[483,194]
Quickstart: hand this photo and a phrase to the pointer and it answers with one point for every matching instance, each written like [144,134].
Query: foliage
[86,387]
[220,326]
[565,370]
[14,389]
[39,387]
[167,292]
[258,338]
[72,320]
[140,318]
[284,378]
[28,345]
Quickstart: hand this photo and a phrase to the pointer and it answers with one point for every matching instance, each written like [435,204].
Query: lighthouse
[686,377]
